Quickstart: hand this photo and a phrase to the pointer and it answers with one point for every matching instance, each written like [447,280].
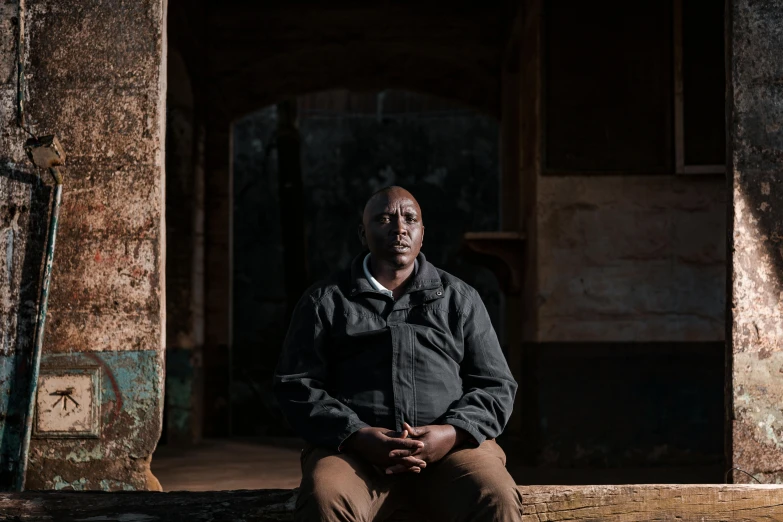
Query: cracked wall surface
[95,76]
[631,258]
[755,104]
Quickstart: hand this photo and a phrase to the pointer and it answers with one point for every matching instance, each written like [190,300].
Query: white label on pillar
[67,403]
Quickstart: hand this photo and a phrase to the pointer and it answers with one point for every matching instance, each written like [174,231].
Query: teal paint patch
[113,485]
[179,393]
[82,484]
[131,398]
[85,454]
[136,373]
[130,384]
[7,363]
[13,401]
[77,485]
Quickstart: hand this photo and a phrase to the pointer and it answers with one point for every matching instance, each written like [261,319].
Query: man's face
[392,227]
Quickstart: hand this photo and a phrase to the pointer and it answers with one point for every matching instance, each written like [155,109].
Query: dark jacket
[354,357]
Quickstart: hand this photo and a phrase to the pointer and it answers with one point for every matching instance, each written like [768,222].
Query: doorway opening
[622,273]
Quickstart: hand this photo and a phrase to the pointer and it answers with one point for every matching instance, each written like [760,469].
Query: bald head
[392,226]
[383,196]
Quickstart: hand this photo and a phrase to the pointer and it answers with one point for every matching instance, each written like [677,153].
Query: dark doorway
[351,144]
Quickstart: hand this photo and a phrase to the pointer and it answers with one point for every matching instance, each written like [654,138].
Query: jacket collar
[425,278]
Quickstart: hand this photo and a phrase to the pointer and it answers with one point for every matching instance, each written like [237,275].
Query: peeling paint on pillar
[96,78]
[755,104]
[129,427]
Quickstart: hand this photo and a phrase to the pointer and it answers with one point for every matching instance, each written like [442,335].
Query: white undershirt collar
[374,282]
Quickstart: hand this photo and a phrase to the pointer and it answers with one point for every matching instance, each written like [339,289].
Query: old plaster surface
[756,238]
[94,77]
[631,258]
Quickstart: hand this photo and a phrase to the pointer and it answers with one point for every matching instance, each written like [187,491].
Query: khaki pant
[468,484]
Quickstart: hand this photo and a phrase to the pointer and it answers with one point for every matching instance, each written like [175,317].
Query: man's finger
[408,444]
[397,434]
[400,468]
[395,454]
[414,432]
[413,462]
[401,453]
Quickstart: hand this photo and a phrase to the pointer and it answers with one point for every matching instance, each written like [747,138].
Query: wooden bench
[681,503]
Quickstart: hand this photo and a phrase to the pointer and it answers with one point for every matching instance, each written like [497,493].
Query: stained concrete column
[217,272]
[510,208]
[755,177]
[531,132]
[95,76]
[520,138]
[185,260]
[530,144]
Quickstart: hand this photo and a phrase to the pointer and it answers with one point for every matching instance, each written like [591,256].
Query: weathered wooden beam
[683,503]
[702,503]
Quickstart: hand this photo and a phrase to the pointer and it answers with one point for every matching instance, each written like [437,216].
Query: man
[392,373]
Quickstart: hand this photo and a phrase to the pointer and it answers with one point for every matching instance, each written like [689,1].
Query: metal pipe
[54,222]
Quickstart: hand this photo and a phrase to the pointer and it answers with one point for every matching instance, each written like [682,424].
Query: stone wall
[631,258]
[95,77]
[755,112]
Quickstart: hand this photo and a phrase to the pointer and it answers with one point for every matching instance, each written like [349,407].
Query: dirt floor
[227,464]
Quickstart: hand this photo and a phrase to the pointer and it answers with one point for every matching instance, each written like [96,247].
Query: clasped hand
[407,451]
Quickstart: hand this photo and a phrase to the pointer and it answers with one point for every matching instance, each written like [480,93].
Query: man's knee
[500,503]
[334,487]
[331,501]
[323,495]
[329,497]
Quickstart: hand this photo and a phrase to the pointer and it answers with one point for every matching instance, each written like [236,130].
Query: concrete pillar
[217,271]
[96,77]
[185,260]
[530,136]
[530,116]
[755,177]
[511,219]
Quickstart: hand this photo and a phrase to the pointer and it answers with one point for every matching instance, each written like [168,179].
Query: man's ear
[362,236]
